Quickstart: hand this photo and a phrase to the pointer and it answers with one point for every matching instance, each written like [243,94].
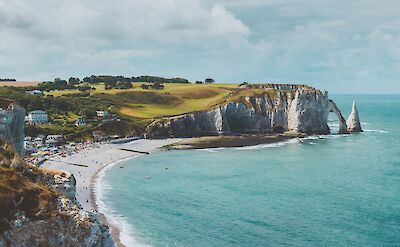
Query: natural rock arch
[342,122]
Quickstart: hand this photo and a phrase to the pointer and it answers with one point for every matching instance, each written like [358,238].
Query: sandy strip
[86,164]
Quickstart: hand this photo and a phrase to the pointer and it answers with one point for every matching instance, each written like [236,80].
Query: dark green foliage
[57,84]
[158,79]
[84,88]
[155,85]
[209,80]
[85,94]
[74,81]
[123,85]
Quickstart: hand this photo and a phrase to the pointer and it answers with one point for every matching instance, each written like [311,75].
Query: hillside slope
[38,208]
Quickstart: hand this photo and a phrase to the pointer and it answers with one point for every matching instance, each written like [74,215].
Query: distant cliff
[254,109]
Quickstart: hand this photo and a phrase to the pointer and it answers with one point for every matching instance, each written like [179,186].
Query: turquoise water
[337,191]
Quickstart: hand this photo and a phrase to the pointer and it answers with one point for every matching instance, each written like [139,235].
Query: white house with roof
[35,92]
[103,114]
[38,117]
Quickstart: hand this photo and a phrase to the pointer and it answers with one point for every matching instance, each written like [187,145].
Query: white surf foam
[379,131]
[270,145]
[127,233]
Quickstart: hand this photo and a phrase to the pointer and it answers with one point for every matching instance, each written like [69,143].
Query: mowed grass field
[174,99]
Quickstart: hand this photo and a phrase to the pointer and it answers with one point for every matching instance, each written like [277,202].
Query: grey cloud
[326,43]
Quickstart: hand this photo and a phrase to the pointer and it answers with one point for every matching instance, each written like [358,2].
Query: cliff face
[59,222]
[12,126]
[298,110]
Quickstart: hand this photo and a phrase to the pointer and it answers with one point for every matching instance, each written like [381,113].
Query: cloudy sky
[339,45]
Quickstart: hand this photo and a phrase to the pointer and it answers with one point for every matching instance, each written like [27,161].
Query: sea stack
[353,122]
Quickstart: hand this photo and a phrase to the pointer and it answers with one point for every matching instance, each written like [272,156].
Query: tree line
[110,82]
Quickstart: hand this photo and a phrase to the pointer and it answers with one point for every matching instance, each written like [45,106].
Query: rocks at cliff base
[353,122]
[68,225]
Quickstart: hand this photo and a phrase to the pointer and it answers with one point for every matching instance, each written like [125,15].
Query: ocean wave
[379,131]
[211,150]
[270,145]
[101,188]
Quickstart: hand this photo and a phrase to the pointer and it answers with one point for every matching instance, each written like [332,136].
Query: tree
[123,85]
[209,80]
[84,88]
[74,81]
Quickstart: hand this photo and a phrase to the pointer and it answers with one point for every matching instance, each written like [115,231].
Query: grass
[147,104]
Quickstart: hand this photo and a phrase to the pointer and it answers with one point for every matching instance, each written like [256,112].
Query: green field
[146,104]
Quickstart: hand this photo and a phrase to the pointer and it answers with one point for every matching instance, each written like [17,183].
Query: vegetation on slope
[21,191]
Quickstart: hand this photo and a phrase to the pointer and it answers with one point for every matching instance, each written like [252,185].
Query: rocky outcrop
[12,125]
[342,122]
[303,110]
[353,121]
[69,224]
[70,227]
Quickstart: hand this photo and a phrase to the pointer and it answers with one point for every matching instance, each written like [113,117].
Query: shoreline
[88,164]
[115,230]
[99,158]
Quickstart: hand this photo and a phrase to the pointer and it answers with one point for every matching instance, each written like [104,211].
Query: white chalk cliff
[295,109]
[353,122]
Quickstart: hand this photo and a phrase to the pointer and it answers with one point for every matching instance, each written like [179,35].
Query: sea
[335,190]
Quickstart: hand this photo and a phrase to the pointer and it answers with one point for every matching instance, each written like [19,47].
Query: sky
[339,45]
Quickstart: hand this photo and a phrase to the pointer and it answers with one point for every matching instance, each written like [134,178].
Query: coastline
[89,163]
[87,166]
[115,230]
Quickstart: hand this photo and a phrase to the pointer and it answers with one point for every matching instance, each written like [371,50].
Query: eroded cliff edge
[272,108]
[38,208]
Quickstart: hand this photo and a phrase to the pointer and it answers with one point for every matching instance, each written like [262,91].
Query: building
[80,122]
[38,117]
[35,92]
[103,114]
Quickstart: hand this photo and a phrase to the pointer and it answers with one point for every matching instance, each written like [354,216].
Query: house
[35,92]
[38,117]
[209,81]
[80,122]
[102,114]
